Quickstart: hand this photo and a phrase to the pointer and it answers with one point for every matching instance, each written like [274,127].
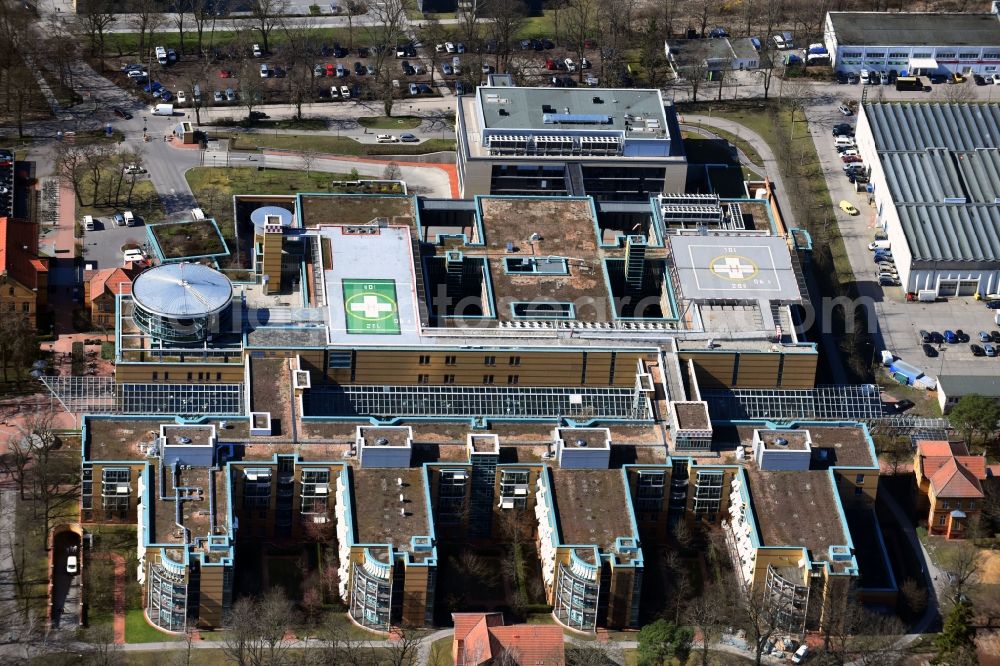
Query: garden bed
[177,241]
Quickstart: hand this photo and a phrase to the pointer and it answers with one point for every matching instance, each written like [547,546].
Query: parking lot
[899,321]
[65,585]
[103,245]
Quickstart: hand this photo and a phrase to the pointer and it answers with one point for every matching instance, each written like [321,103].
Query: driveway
[65,586]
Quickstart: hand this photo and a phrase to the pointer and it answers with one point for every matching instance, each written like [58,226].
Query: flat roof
[717,268]
[846,445]
[198,435]
[329,209]
[394,436]
[522,108]
[591,506]
[796,509]
[370,292]
[276,336]
[377,507]
[127,438]
[692,415]
[195,511]
[915,29]
[271,388]
[790,440]
[942,165]
[566,229]
[694,52]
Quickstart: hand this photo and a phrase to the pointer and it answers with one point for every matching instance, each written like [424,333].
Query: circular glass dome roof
[182,290]
[261,214]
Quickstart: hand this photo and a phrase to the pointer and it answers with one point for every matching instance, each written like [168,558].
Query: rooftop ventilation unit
[382,441]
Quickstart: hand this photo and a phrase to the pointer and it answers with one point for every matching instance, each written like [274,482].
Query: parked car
[265,71]
[256,51]
[449,47]
[887,281]
[230,95]
[121,113]
[134,169]
[995,337]
[990,349]
[181,97]
[984,336]
[345,92]
[72,566]
[413,89]
[977,350]
[570,65]
[929,351]
[845,110]
[950,337]
[385,138]
[848,208]
[406,137]
[937,338]
[979,80]
[218,97]
[225,74]
[165,95]
[424,89]
[993,304]
[590,80]
[359,69]
[446,69]
[853,78]
[842,78]
[137,74]
[850,159]
[459,88]
[370,69]
[962,336]
[133,256]
[843,129]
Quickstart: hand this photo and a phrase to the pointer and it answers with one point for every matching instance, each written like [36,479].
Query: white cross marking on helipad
[371,306]
[733,268]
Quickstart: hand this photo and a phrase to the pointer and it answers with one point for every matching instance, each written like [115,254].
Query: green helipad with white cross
[370,306]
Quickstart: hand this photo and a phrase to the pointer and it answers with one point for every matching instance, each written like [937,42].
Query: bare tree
[391,172]
[963,566]
[386,29]
[95,17]
[103,649]
[202,14]
[181,8]
[14,463]
[300,46]
[267,15]
[402,648]
[506,18]
[258,630]
[710,612]
[756,616]
[586,654]
[146,19]
[861,636]
[581,25]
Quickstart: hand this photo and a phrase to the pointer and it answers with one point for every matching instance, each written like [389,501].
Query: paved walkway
[119,612]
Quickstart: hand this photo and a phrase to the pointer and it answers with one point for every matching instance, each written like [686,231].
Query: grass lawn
[440,654]
[188,239]
[214,187]
[336,145]
[390,122]
[146,204]
[737,141]
[137,630]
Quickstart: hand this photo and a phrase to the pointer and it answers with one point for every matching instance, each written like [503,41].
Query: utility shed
[904,369]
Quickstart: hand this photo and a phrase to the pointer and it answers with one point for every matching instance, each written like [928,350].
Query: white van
[88,223]
[197,214]
[161,55]
[800,654]
[844,142]
[162,110]
[879,245]
[129,218]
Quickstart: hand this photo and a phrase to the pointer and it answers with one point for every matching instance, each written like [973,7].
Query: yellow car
[848,208]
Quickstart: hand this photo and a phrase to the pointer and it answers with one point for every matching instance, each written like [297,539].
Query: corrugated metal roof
[962,127]
[980,170]
[951,232]
[922,177]
[915,28]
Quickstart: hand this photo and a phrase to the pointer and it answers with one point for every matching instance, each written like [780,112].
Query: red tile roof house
[482,639]
[100,289]
[24,276]
[952,480]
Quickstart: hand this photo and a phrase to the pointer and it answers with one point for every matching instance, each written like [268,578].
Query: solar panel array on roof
[576,118]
